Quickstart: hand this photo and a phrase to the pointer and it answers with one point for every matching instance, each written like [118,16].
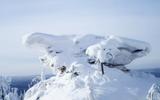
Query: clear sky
[137,19]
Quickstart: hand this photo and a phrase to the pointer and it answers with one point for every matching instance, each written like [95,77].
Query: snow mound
[111,86]
[82,66]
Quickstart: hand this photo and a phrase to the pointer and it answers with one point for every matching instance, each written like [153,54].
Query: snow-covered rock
[64,50]
[78,61]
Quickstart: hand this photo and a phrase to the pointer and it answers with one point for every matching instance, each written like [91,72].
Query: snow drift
[82,65]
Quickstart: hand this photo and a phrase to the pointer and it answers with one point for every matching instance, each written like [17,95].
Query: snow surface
[79,79]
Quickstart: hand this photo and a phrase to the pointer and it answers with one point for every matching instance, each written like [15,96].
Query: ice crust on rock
[77,61]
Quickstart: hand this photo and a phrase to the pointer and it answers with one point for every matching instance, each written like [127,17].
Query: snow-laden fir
[154,92]
[89,67]
[6,92]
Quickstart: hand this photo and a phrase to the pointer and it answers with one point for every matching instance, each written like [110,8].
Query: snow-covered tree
[154,92]
[6,92]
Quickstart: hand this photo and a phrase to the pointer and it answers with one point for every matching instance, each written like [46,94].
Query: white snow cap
[117,50]
[64,50]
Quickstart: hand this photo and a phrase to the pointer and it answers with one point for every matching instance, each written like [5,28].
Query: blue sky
[137,19]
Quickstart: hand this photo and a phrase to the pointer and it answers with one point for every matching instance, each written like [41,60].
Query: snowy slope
[114,85]
[79,61]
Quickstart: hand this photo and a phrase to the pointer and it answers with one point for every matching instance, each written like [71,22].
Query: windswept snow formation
[64,50]
[80,63]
